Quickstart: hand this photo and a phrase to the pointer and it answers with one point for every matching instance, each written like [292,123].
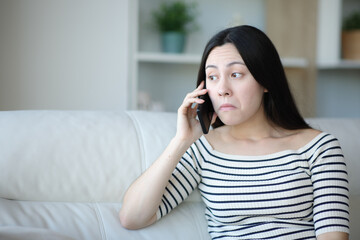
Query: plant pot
[351,45]
[173,42]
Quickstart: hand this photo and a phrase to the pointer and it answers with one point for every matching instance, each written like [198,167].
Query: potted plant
[351,37]
[175,20]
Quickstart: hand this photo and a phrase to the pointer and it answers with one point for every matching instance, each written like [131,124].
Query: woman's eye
[236,75]
[212,77]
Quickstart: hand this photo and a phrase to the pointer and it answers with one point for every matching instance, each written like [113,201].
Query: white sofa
[63,174]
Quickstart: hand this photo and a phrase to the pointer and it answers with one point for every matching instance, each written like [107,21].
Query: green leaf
[176,16]
[352,22]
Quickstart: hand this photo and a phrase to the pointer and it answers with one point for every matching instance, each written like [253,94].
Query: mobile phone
[205,113]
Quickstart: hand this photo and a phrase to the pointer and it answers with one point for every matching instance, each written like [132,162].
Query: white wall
[67,54]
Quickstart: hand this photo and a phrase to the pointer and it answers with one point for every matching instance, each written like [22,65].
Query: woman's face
[235,94]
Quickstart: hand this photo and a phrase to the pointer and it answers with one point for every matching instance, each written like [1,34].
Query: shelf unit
[168,77]
[178,71]
[330,16]
[338,80]
[149,63]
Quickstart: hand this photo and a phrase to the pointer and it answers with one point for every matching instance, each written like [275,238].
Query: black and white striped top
[292,194]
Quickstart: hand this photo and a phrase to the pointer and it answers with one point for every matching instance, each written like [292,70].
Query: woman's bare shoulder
[308,134]
[302,137]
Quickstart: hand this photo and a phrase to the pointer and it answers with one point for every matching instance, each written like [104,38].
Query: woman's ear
[265,90]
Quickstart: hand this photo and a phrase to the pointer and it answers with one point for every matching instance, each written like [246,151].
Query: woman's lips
[227,107]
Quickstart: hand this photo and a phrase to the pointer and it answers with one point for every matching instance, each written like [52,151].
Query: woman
[263,173]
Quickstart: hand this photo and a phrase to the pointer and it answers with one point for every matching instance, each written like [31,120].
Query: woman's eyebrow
[227,65]
[235,62]
[210,66]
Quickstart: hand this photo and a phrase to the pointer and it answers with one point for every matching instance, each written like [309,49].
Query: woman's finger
[201,85]
[195,94]
[192,98]
[188,102]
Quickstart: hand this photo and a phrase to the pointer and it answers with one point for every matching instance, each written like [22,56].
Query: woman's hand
[188,127]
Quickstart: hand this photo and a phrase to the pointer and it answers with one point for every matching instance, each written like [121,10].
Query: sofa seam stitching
[100,221]
[139,137]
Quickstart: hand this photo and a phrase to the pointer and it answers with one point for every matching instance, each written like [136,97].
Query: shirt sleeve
[184,179]
[330,186]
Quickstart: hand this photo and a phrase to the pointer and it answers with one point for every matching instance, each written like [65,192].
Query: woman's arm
[333,236]
[142,199]
[330,188]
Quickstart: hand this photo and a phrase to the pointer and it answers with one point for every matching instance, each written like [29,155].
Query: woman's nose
[223,88]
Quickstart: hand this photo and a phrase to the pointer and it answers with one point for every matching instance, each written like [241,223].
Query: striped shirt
[292,194]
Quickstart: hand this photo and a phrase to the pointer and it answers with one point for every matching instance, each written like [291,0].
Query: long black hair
[263,61]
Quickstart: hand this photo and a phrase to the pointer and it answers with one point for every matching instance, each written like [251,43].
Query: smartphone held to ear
[205,113]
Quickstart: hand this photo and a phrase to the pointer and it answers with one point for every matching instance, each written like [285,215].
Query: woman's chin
[229,121]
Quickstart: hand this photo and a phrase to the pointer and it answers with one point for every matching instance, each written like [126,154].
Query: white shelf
[342,64]
[169,58]
[295,62]
[195,59]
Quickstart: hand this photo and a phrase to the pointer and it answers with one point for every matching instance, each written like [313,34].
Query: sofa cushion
[30,233]
[96,221]
[67,155]
[76,220]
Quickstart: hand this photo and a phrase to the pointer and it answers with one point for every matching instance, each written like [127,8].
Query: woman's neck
[256,128]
